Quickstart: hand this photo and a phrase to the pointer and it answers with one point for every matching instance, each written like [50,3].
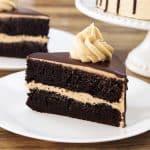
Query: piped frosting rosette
[7,5]
[89,46]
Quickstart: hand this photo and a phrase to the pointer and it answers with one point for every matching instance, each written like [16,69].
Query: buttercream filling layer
[78,96]
[7,15]
[83,68]
[4,38]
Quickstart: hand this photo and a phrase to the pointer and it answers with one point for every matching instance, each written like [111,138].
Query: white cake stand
[138,60]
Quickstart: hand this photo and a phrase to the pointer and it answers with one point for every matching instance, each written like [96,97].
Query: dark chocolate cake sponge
[24,21]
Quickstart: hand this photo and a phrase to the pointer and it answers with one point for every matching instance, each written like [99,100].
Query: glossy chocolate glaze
[114,66]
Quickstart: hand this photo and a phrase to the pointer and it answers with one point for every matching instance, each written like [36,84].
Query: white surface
[16,117]
[59,41]
[88,7]
[138,60]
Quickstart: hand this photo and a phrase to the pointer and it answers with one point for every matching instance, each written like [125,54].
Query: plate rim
[78,141]
[66,140]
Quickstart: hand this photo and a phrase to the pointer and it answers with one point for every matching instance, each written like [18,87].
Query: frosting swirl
[89,46]
[7,5]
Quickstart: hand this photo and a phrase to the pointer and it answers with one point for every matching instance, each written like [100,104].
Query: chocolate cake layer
[21,49]
[109,89]
[25,26]
[24,21]
[50,102]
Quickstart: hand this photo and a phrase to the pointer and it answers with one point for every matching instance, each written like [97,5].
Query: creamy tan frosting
[90,46]
[7,5]
[9,15]
[4,38]
[78,96]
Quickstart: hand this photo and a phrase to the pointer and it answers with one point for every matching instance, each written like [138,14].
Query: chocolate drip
[106,6]
[96,2]
[134,6]
[101,2]
[118,6]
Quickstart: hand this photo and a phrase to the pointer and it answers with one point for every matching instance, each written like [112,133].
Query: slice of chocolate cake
[89,83]
[89,91]
[22,31]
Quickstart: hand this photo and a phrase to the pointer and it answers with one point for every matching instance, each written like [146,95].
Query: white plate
[16,117]
[59,41]
[88,7]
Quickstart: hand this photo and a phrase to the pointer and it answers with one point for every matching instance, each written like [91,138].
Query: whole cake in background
[89,83]
[22,31]
[138,9]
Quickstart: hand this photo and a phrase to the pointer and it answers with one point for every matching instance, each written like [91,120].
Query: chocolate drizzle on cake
[106,5]
[118,6]
[99,3]
[134,6]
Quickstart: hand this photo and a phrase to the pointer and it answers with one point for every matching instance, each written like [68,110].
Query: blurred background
[65,16]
